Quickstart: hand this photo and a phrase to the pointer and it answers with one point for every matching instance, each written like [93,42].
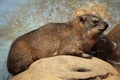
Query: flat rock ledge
[69,68]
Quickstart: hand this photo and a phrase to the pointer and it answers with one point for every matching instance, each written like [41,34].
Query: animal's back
[39,43]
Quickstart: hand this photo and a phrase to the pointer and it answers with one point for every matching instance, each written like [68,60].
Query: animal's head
[92,25]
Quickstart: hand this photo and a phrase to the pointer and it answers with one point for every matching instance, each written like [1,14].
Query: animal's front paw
[87,56]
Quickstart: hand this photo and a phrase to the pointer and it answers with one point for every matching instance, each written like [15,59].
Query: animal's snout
[106,25]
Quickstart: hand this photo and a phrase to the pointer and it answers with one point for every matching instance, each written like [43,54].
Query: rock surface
[114,36]
[69,68]
[114,57]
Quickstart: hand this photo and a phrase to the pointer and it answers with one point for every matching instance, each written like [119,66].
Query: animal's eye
[95,21]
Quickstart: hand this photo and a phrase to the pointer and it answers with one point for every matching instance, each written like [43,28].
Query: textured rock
[68,68]
[114,36]
[114,57]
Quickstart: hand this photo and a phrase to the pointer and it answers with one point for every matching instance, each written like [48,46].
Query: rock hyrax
[75,37]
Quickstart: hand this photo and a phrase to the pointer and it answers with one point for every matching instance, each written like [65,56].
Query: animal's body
[75,37]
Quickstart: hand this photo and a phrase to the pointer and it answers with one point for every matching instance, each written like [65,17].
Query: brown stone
[69,68]
[114,36]
[114,57]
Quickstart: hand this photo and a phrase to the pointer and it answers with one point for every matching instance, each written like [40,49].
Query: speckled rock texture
[69,68]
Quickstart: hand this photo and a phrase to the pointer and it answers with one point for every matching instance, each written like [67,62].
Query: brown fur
[72,38]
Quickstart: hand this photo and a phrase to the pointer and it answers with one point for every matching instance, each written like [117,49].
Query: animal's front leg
[85,55]
[74,52]
[80,54]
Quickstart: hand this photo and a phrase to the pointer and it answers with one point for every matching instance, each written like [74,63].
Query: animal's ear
[82,18]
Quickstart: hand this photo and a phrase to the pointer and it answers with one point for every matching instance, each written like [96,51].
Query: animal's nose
[106,24]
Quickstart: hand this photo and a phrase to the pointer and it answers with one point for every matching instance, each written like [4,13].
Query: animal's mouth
[101,30]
